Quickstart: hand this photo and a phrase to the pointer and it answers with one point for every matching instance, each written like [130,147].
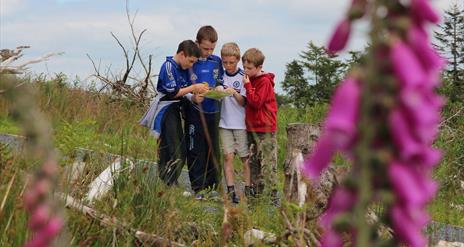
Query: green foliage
[295,85]
[451,171]
[312,78]
[450,42]
[85,119]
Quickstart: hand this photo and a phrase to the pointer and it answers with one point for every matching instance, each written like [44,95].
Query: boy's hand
[198,98]
[246,79]
[219,88]
[200,88]
[230,90]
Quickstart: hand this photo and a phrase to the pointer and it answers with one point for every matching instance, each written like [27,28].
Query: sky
[279,28]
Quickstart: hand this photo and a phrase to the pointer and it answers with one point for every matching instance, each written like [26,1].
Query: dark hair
[207,33]
[189,48]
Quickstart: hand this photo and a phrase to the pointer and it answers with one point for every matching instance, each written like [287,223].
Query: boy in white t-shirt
[232,126]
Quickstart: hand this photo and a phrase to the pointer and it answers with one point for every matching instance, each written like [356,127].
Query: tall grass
[83,118]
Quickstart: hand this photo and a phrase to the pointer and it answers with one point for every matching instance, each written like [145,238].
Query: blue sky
[280,28]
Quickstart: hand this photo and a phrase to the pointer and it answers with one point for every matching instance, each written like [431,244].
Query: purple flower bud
[39,217]
[408,147]
[406,228]
[410,185]
[430,157]
[320,158]
[30,199]
[331,239]
[429,58]
[341,200]
[37,241]
[343,114]
[53,227]
[406,66]
[340,128]
[416,103]
[422,11]
[340,36]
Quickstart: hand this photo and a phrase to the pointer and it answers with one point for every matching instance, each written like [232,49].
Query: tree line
[311,78]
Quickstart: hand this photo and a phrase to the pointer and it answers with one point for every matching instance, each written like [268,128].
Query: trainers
[250,192]
[200,196]
[187,194]
[233,197]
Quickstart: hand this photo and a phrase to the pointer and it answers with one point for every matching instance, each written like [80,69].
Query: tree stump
[300,140]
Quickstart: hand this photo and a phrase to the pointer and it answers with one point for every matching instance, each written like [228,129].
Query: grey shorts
[234,140]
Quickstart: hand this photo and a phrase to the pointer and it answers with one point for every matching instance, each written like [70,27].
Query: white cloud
[280,28]
[10,7]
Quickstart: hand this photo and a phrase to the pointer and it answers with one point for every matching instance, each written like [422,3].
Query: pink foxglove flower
[339,128]
[402,136]
[429,58]
[406,66]
[320,157]
[410,185]
[331,239]
[343,114]
[417,105]
[422,11]
[406,228]
[404,150]
[342,200]
[340,37]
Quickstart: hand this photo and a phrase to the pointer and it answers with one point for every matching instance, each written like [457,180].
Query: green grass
[94,121]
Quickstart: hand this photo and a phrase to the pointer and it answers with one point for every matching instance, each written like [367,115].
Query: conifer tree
[450,43]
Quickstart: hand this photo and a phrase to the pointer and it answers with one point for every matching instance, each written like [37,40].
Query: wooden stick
[7,192]
[156,240]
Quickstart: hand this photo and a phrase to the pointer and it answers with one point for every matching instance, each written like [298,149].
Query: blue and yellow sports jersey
[172,78]
[208,70]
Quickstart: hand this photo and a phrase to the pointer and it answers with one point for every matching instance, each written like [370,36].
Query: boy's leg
[241,140]
[227,139]
[254,161]
[172,151]
[268,159]
[196,149]
[213,153]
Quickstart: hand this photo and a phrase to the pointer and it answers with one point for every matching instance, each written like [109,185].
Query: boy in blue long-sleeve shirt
[202,138]
[164,116]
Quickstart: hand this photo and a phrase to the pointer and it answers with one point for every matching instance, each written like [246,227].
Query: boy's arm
[198,88]
[237,96]
[256,97]
[220,77]
[168,78]
[167,83]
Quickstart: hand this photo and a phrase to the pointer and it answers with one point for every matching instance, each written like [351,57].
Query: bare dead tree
[125,85]
[7,57]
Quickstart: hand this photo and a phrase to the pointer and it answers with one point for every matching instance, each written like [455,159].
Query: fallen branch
[148,238]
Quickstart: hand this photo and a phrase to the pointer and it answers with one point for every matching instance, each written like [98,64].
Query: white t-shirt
[233,114]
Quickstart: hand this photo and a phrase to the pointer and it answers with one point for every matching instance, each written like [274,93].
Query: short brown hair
[207,33]
[253,56]
[230,49]
[189,48]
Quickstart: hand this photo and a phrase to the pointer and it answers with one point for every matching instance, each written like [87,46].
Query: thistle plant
[384,117]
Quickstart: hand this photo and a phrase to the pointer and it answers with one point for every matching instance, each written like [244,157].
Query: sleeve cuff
[189,96]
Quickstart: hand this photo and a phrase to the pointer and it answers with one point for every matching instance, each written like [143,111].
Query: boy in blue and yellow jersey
[202,136]
[164,116]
